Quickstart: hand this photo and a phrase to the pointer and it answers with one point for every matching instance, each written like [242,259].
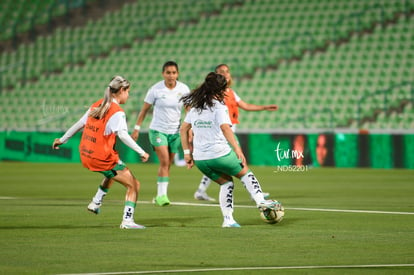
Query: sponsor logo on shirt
[203,124]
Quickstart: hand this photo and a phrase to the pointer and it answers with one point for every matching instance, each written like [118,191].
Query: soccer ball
[273,215]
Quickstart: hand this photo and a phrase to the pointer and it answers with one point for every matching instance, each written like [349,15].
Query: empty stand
[315,59]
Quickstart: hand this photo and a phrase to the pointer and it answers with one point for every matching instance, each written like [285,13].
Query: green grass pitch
[45,228]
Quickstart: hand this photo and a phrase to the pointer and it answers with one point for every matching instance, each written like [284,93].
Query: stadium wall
[280,150]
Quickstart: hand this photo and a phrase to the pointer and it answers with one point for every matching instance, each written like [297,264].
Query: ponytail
[117,83]
[101,110]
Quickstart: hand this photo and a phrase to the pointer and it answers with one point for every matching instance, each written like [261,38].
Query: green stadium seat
[247,41]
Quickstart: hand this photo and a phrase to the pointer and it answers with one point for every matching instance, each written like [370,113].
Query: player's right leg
[160,143]
[163,176]
[252,185]
[96,203]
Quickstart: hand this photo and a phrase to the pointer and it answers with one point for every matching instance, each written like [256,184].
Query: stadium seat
[246,37]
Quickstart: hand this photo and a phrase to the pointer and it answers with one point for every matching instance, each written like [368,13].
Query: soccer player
[105,120]
[164,128]
[233,103]
[216,151]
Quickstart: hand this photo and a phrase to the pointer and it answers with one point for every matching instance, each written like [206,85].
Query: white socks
[129,210]
[253,187]
[204,184]
[226,196]
[162,186]
[226,202]
[100,194]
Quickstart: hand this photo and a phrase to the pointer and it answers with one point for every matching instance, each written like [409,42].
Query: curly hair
[203,96]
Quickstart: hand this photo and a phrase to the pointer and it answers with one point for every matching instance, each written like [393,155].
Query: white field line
[8,198]
[296,208]
[287,208]
[248,268]
[353,211]
[258,268]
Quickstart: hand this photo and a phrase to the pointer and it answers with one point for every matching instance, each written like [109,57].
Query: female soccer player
[233,103]
[211,125]
[164,128]
[105,120]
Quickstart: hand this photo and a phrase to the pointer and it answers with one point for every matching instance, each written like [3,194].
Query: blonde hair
[117,83]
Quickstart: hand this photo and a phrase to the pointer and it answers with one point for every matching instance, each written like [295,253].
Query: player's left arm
[253,107]
[118,125]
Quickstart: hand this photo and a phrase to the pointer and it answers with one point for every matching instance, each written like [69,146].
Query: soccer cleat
[229,222]
[265,195]
[234,225]
[94,207]
[268,204]
[162,200]
[130,225]
[202,196]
